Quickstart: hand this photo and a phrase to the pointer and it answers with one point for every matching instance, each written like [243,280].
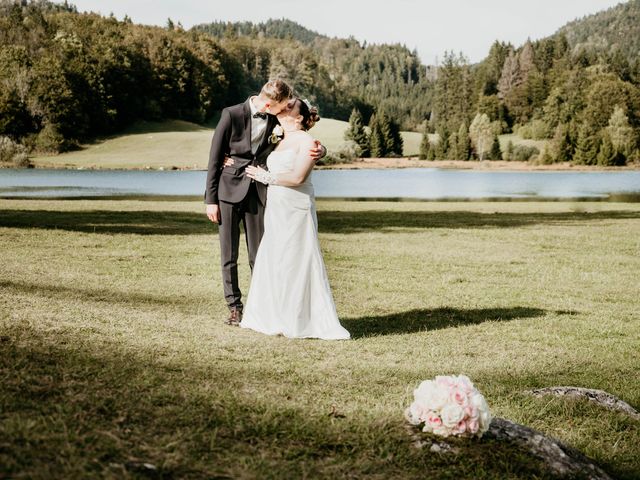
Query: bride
[290,293]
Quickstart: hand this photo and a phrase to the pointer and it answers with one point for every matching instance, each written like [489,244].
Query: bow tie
[261,115]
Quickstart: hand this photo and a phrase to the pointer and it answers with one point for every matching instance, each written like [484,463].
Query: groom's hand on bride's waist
[213,213]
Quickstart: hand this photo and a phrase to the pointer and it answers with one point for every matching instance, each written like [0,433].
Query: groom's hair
[277,90]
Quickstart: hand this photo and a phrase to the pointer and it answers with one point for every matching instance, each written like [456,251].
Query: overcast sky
[468,26]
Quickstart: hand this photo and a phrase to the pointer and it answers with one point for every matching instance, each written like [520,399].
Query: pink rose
[460,428]
[434,420]
[459,396]
[473,425]
[471,411]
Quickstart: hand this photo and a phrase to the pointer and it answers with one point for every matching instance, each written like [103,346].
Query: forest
[68,77]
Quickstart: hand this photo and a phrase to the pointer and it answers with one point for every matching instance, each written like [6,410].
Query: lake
[418,183]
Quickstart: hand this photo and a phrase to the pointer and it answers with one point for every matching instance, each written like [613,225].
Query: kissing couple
[259,172]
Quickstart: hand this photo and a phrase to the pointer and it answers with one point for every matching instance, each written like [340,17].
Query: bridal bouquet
[449,405]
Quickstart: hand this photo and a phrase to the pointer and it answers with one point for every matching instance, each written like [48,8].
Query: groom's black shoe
[235,317]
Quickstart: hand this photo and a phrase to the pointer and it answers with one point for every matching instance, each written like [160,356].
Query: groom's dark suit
[241,200]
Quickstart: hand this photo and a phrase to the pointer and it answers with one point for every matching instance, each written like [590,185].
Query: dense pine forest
[68,77]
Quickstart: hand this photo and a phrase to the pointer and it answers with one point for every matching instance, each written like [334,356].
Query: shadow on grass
[433,319]
[187,223]
[110,221]
[73,409]
[60,292]
[353,222]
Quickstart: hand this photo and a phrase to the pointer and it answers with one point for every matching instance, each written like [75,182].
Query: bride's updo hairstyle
[309,114]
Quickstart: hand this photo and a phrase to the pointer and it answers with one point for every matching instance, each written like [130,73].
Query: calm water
[422,183]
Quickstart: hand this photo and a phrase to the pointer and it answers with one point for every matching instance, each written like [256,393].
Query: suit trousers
[249,213]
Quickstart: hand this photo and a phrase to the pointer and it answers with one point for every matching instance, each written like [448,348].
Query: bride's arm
[301,168]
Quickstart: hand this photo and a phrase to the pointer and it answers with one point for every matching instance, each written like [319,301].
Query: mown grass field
[178,144]
[115,363]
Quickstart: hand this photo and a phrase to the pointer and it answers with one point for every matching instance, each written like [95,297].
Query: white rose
[278,130]
[485,420]
[451,414]
[414,413]
[465,383]
[442,431]
[478,401]
[431,395]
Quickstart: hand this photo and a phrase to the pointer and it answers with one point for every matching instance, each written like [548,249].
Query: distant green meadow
[115,362]
[179,144]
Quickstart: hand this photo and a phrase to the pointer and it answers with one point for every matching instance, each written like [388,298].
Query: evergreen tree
[561,144]
[452,153]
[464,142]
[376,138]
[510,76]
[587,145]
[357,133]
[398,142]
[442,147]
[425,147]
[608,156]
[432,154]
[508,155]
[496,151]
[394,143]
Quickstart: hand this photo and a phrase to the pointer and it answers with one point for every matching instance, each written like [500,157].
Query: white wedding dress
[289,293]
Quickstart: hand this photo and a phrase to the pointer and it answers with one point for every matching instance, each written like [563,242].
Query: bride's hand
[260,175]
[228,161]
[251,171]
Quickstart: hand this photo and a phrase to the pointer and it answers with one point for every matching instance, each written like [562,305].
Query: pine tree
[442,147]
[608,155]
[394,141]
[431,155]
[496,151]
[386,134]
[510,77]
[425,147]
[546,157]
[464,143]
[587,145]
[357,133]
[452,153]
[561,144]
[376,139]
[508,156]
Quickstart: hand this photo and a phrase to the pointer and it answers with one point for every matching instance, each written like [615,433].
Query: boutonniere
[277,134]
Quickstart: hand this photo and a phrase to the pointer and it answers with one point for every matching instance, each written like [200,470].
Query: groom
[244,133]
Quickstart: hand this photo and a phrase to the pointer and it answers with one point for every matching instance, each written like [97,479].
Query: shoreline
[487,165]
[380,164]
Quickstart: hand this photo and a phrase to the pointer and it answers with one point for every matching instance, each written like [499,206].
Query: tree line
[68,77]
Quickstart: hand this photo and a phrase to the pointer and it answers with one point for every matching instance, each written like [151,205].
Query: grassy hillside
[178,144]
[115,362]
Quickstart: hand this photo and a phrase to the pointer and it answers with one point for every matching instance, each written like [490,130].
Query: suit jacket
[232,137]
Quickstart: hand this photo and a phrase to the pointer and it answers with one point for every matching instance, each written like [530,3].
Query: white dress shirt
[258,128]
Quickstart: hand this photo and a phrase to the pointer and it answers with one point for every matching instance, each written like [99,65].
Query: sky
[431,27]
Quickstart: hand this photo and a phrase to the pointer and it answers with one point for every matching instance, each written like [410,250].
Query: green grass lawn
[113,353]
[178,144]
